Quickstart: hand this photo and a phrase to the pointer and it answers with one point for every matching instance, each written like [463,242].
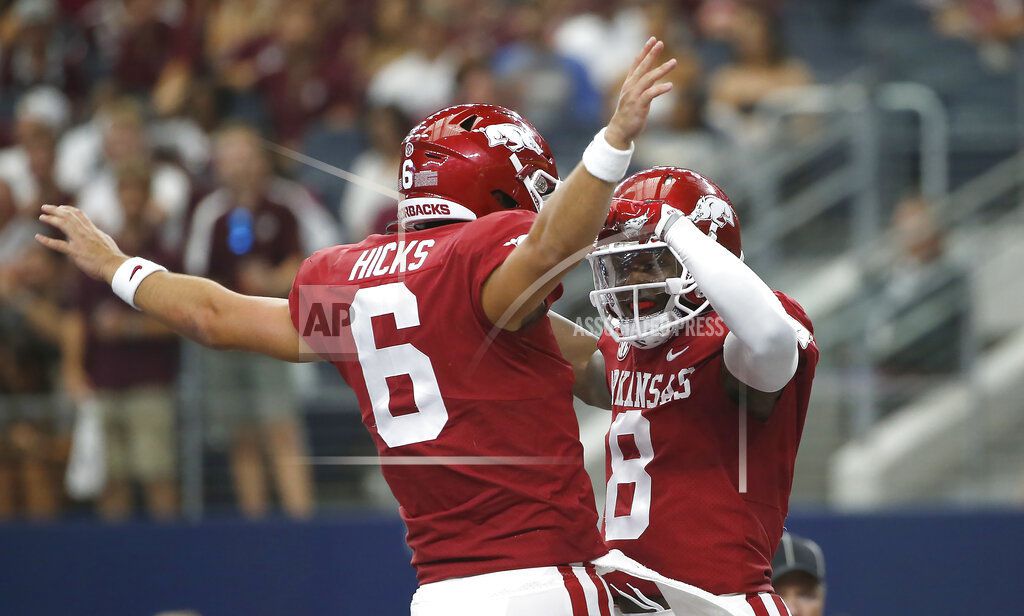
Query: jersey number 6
[380,363]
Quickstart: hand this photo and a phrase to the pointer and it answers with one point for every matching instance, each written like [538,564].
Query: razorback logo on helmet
[426,209]
[514,137]
[632,227]
[716,211]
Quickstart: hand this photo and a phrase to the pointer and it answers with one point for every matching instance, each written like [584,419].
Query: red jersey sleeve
[310,273]
[486,243]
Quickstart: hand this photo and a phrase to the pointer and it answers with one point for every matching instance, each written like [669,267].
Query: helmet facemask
[539,183]
[643,292]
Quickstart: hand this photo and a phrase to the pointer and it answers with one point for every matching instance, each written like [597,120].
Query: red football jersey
[679,500]
[434,378]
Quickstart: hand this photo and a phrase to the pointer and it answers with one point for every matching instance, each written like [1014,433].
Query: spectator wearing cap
[798,575]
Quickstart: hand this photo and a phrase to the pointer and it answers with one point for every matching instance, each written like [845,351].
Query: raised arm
[572,217]
[579,347]
[760,352]
[196,308]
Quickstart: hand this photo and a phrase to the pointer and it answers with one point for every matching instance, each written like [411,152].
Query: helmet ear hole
[504,199]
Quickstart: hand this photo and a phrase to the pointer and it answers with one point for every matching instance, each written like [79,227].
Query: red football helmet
[468,161]
[642,289]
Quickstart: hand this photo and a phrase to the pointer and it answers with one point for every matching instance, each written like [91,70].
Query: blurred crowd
[992,25]
[202,133]
[181,127]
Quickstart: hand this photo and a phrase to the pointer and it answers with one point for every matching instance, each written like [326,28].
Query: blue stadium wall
[900,564]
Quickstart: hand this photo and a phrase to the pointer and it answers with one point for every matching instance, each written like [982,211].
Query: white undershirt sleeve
[761,346]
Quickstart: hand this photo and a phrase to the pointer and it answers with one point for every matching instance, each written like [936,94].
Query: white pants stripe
[552,591]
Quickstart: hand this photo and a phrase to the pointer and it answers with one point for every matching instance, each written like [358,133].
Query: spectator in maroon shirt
[247,237]
[128,362]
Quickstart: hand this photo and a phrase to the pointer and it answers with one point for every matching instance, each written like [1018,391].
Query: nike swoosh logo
[672,355]
[135,271]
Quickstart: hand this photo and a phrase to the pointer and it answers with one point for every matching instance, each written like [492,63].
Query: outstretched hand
[92,250]
[640,88]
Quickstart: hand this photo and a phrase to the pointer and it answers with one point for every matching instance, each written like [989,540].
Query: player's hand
[639,220]
[640,88]
[92,250]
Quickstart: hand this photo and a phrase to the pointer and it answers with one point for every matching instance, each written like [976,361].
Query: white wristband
[130,275]
[605,162]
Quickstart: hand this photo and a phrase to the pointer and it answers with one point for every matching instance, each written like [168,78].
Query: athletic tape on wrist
[130,275]
[605,162]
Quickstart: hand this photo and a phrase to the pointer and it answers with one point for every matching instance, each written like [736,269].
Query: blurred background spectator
[421,79]
[603,37]
[28,165]
[365,211]
[993,25]
[128,362]
[921,341]
[246,235]
[31,453]
[41,46]
[122,130]
[548,87]
[760,65]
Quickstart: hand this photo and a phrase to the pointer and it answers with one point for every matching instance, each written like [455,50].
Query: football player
[707,372]
[445,339]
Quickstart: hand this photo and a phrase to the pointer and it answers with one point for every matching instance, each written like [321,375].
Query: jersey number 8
[629,426]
